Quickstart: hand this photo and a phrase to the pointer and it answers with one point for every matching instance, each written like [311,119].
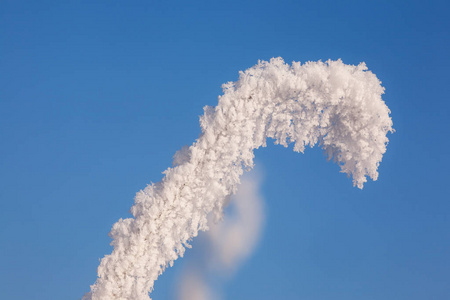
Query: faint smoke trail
[336,105]
[227,244]
[194,287]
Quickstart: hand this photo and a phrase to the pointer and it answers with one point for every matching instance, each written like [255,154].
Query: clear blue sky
[96,97]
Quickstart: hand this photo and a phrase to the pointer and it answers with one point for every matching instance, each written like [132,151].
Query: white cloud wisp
[227,244]
[329,103]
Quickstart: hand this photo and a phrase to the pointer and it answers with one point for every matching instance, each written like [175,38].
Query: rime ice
[334,105]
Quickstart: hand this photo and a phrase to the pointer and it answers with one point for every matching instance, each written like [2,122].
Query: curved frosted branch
[334,105]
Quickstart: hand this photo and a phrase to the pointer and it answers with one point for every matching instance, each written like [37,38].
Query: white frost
[335,105]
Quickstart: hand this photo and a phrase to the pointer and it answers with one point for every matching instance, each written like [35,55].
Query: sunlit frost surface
[334,105]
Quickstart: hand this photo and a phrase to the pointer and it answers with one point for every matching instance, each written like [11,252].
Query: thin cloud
[226,246]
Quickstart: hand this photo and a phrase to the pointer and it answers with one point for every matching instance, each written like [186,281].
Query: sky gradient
[95,98]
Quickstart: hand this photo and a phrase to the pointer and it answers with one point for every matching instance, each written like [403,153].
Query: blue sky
[96,97]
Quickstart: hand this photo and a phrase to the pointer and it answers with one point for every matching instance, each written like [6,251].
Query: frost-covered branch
[334,105]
